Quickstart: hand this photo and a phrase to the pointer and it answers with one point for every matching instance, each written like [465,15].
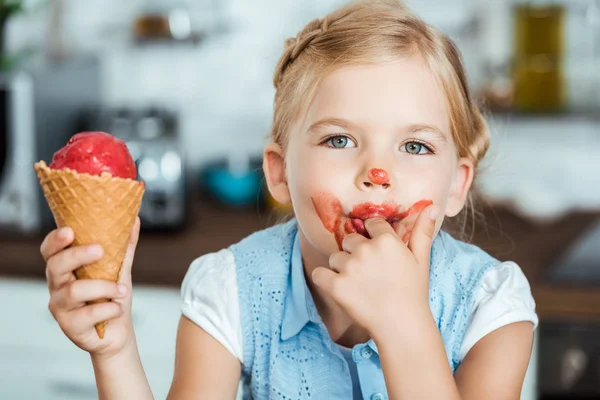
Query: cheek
[315,170]
[428,180]
[310,174]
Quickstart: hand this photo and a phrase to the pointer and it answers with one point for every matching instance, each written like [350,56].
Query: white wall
[222,87]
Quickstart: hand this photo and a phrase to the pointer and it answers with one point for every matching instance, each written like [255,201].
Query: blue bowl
[237,190]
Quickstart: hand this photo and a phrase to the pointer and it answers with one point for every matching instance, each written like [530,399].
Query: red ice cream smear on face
[94,153]
[410,219]
[330,211]
[378,176]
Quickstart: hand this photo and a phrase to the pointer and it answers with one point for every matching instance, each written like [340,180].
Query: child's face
[375,142]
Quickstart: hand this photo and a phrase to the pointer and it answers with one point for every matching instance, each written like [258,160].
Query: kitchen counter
[163,257]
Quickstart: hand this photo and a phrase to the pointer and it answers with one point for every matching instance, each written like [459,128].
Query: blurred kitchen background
[187,84]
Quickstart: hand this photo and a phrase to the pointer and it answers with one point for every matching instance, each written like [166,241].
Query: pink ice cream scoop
[94,153]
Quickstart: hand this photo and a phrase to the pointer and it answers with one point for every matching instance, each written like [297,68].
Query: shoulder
[445,246]
[215,282]
[458,265]
[503,297]
[505,277]
[506,291]
[265,252]
[219,269]
[215,269]
[209,298]
[273,239]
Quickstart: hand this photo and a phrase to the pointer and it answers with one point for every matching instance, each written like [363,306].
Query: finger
[405,227]
[377,227]
[56,241]
[422,236]
[60,267]
[339,260]
[352,241]
[327,280]
[403,232]
[77,293]
[125,274]
[83,319]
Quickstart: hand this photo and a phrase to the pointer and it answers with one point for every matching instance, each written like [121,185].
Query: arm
[414,361]
[121,376]
[115,359]
[204,368]
[416,366]
[380,283]
[495,367]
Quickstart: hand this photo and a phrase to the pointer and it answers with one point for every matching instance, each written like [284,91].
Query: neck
[342,329]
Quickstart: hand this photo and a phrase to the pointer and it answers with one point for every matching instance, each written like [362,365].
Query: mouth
[340,223]
[362,212]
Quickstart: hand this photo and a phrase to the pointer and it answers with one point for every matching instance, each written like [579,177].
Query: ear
[274,169]
[461,184]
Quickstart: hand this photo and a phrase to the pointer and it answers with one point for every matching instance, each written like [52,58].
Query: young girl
[375,141]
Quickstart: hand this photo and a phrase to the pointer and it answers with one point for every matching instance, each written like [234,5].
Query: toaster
[152,137]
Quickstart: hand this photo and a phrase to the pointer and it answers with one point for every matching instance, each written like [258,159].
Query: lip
[355,222]
[388,211]
[341,223]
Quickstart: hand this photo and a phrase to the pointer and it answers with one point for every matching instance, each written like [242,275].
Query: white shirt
[210,299]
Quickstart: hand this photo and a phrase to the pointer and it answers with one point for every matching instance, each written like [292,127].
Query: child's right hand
[68,296]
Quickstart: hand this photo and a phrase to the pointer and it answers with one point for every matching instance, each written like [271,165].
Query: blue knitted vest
[298,359]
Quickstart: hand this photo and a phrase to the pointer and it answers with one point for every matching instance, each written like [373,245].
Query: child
[375,141]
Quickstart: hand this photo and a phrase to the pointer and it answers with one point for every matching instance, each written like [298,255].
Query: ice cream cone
[100,210]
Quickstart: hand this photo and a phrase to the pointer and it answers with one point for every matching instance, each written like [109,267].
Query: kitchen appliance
[39,107]
[569,361]
[569,366]
[19,202]
[152,136]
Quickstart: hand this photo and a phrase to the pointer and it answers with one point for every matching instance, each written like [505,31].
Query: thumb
[326,280]
[422,235]
[125,274]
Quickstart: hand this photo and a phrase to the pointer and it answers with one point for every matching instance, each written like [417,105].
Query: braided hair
[368,32]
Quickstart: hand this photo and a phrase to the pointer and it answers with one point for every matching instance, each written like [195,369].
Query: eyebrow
[432,129]
[342,123]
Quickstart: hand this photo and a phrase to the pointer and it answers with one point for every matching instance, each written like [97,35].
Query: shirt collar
[296,306]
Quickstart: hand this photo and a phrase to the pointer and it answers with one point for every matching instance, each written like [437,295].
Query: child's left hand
[381,280]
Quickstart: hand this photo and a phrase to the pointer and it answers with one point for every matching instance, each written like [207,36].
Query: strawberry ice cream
[91,187]
[94,153]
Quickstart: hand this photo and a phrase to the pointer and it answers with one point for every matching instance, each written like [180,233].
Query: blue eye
[417,148]
[340,142]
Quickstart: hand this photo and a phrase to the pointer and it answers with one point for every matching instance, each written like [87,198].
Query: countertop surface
[162,258]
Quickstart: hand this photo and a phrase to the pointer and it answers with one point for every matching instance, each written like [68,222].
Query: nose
[376,177]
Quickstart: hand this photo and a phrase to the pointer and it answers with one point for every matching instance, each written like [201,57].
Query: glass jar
[538,70]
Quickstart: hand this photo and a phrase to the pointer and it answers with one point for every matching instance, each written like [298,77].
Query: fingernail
[122,288]
[434,213]
[95,250]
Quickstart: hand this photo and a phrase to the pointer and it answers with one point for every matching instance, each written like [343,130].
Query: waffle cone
[100,210]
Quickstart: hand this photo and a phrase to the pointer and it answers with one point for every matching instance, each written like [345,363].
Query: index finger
[378,226]
[56,241]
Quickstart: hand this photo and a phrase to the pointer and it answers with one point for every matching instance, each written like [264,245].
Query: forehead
[382,95]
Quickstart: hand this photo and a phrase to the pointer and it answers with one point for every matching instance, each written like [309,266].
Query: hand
[381,280]
[68,296]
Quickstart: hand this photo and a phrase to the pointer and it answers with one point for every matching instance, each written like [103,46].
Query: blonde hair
[375,31]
